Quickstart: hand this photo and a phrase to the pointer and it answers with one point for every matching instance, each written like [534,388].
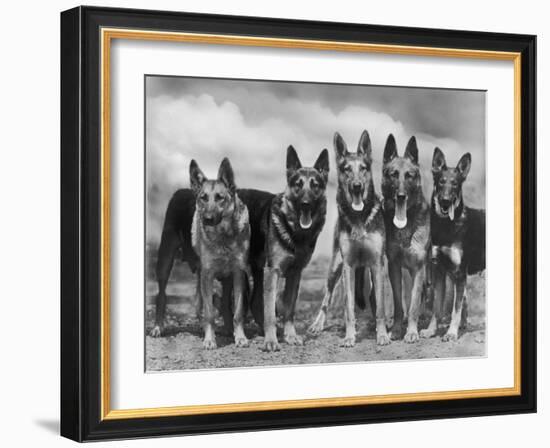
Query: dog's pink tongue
[357,203]
[452,212]
[305,219]
[400,216]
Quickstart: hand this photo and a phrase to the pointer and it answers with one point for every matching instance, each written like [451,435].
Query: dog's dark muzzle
[210,220]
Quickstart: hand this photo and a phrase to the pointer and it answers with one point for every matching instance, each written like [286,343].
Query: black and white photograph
[307,223]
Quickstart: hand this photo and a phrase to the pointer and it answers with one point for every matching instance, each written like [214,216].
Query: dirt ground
[181,347]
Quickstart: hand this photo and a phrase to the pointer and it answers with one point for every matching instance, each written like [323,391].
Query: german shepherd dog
[220,236]
[291,227]
[176,242]
[458,239]
[359,238]
[407,220]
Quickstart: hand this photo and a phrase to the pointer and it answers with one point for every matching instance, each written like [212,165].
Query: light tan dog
[220,236]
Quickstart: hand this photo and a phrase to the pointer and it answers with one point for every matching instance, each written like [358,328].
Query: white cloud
[180,128]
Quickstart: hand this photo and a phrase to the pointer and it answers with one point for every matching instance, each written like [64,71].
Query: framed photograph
[276,224]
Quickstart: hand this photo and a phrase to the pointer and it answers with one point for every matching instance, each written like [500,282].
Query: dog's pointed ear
[225,174]
[438,162]
[365,147]
[411,152]
[390,150]
[464,165]
[321,164]
[293,163]
[197,176]
[340,146]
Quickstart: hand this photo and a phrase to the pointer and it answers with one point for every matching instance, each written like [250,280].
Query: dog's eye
[442,181]
[410,175]
[347,168]
[299,183]
[395,174]
[314,184]
[204,197]
[219,197]
[363,167]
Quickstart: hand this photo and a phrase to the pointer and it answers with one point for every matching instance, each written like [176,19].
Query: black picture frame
[81,224]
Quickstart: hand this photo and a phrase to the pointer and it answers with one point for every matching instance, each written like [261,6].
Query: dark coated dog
[359,239]
[291,228]
[458,239]
[407,220]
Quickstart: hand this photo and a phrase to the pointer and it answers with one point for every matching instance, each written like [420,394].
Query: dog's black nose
[356,186]
[445,203]
[401,196]
[305,204]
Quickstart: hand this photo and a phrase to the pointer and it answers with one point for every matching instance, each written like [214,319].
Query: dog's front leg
[439,281]
[207,289]
[394,270]
[290,296]
[348,274]
[456,317]
[238,288]
[271,282]
[377,274]
[419,277]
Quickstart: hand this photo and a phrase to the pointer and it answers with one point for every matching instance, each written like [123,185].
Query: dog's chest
[221,248]
[361,248]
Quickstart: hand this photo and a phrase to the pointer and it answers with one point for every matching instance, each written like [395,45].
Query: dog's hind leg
[169,244]
[394,270]
[238,290]
[439,285]
[257,300]
[456,317]
[335,272]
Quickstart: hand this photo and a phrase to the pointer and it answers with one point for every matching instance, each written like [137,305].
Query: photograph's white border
[132,388]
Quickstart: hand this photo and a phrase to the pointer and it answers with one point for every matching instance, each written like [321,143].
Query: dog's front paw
[383,339]
[209,344]
[271,345]
[450,336]
[156,332]
[294,339]
[411,337]
[348,342]
[241,341]
[427,333]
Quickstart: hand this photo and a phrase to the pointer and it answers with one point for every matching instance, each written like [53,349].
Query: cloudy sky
[253,122]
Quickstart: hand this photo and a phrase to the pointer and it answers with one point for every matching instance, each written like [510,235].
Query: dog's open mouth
[400,216]
[305,219]
[448,209]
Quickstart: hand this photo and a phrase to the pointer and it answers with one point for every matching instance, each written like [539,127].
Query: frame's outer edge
[529,223]
[71,253]
[81,232]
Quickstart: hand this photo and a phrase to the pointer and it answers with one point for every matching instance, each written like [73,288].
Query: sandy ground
[181,347]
